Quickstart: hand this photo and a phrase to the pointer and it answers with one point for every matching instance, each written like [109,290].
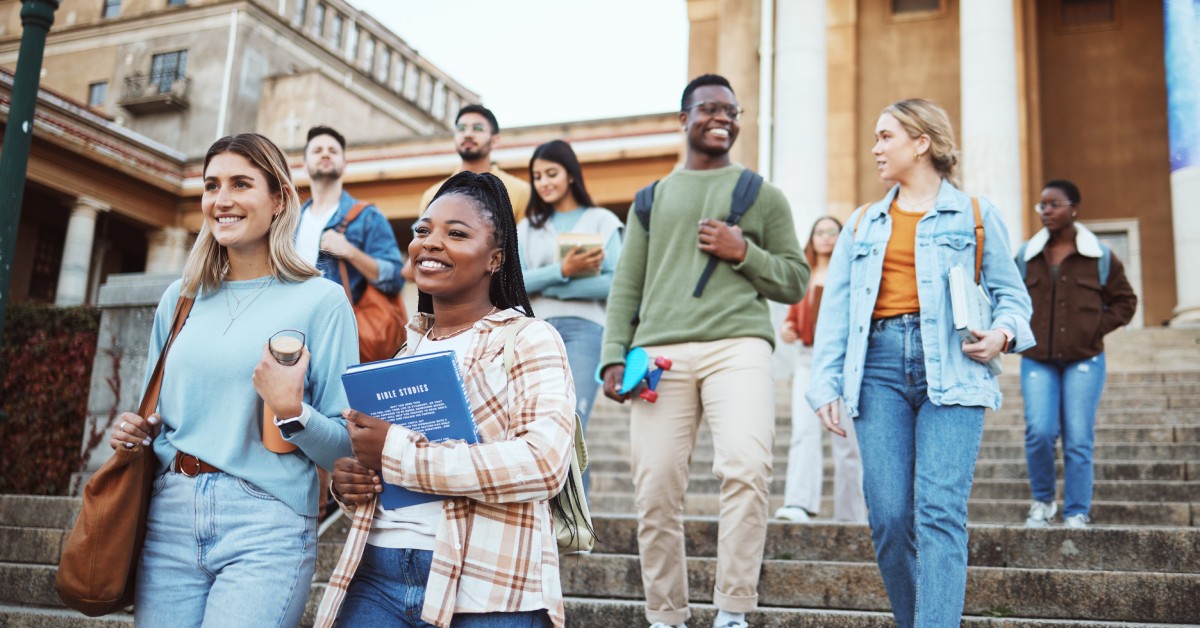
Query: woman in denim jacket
[887,356]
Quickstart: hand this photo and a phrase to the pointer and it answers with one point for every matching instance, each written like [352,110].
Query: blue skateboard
[639,373]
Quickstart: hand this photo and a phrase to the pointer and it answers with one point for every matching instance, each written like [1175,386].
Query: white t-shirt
[308,236]
[415,527]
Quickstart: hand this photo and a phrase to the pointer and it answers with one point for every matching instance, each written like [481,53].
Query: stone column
[990,135]
[801,107]
[737,60]
[167,251]
[1182,46]
[77,252]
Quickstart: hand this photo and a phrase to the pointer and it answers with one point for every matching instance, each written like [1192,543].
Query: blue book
[423,393]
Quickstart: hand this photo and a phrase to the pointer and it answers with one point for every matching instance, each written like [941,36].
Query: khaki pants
[731,383]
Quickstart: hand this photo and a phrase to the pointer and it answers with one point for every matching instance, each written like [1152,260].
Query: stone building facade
[1036,89]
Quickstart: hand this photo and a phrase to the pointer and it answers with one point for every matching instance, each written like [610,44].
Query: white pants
[806,466]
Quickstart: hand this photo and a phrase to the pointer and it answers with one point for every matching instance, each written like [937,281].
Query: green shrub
[45,372]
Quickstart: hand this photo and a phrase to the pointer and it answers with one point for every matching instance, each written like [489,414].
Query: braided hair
[487,193]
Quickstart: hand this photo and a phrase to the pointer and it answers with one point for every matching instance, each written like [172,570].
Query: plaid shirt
[496,549]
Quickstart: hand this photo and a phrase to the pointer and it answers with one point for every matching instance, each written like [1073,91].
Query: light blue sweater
[552,294]
[208,404]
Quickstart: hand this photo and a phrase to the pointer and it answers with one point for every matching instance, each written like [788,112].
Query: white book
[972,309]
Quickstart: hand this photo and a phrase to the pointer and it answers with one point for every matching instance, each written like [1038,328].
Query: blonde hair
[208,262]
[921,117]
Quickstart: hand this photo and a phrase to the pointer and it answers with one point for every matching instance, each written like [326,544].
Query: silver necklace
[233,310]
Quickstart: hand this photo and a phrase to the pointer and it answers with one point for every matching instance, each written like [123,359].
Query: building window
[167,68]
[905,10]
[1087,14]
[369,54]
[176,3]
[335,35]
[112,8]
[97,94]
[47,259]
[301,13]
[352,41]
[319,19]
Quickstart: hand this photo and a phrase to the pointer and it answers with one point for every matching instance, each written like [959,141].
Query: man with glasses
[720,342]
[475,134]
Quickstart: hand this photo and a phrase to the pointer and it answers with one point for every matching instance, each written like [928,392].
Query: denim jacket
[945,237]
[371,233]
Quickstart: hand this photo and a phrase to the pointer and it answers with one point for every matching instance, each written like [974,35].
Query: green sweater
[658,270]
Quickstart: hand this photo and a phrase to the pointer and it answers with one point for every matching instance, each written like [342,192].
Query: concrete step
[31,545]
[12,616]
[599,613]
[1100,548]
[1131,491]
[1009,468]
[1042,593]
[36,511]
[1010,511]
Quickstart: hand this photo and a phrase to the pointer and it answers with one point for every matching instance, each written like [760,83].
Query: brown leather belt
[191,466]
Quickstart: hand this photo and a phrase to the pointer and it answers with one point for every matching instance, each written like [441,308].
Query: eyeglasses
[1042,208]
[478,128]
[733,112]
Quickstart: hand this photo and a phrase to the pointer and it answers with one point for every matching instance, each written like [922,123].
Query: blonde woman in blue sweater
[231,534]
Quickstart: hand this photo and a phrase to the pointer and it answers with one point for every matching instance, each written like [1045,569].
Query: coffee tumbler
[286,346]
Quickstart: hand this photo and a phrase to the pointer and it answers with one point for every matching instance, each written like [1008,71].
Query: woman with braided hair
[486,555]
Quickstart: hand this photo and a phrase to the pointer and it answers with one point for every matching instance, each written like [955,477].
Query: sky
[543,61]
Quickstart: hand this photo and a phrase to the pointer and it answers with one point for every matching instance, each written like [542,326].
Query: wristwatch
[1012,341]
[295,425]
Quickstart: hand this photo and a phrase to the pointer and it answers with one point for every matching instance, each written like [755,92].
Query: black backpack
[744,195]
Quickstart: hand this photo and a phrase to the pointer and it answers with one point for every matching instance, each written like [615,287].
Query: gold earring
[916,156]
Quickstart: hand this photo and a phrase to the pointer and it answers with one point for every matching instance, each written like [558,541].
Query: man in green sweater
[720,344]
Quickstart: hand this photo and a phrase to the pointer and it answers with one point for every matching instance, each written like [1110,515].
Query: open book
[972,309]
[423,393]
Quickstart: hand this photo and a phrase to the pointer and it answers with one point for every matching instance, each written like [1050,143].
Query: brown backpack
[381,317]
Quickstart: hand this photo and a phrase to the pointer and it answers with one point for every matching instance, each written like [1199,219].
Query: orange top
[898,285]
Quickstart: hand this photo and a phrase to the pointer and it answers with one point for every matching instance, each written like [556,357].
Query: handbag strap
[351,215]
[150,398]
[510,351]
[978,237]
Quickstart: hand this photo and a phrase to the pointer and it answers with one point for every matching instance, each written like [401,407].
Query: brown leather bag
[98,568]
[381,317]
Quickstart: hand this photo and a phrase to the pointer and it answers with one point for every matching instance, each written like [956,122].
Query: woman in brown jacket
[1079,294]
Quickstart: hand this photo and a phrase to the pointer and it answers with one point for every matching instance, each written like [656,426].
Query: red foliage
[46,368]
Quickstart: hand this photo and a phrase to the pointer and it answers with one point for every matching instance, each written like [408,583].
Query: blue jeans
[582,339]
[221,552]
[918,463]
[1062,397]
[388,589]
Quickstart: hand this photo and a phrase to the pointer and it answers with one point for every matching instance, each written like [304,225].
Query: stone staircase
[1139,565]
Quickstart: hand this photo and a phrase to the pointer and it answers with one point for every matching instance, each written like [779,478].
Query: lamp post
[36,18]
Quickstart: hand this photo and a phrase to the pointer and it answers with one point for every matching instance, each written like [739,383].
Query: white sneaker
[659,624]
[795,514]
[1076,522]
[1040,514]
[735,624]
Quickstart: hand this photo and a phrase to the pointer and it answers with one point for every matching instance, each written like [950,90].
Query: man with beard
[368,245]
[720,339]
[475,134]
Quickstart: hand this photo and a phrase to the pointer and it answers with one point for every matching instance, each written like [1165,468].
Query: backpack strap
[510,353]
[341,228]
[978,238]
[744,194]
[642,202]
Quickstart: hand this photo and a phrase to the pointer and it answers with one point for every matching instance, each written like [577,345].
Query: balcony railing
[155,92]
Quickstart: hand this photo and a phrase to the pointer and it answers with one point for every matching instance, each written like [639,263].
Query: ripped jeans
[1061,397]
